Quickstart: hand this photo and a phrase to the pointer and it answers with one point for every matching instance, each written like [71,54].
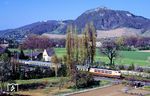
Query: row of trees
[123,43]
[80,50]
[36,42]
[41,42]
[132,43]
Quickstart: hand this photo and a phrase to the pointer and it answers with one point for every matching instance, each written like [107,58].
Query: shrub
[139,69]
[131,67]
[85,79]
[147,70]
[62,71]
[121,67]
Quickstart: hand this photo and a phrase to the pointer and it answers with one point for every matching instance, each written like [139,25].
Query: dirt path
[116,90]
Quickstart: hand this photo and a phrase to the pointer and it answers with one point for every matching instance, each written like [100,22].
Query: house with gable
[37,55]
[47,54]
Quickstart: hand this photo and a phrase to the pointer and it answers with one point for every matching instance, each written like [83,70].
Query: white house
[98,44]
[47,54]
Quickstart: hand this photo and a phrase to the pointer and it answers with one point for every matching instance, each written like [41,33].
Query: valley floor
[116,90]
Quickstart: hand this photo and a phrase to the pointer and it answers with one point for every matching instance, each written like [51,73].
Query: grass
[42,80]
[48,80]
[25,51]
[51,91]
[104,82]
[135,55]
[54,90]
[147,88]
[124,58]
[60,52]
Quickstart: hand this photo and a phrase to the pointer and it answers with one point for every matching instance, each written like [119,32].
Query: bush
[147,70]
[85,79]
[31,86]
[62,71]
[121,67]
[139,69]
[131,67]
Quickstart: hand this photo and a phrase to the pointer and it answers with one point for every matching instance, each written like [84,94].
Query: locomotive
[105,72]
[100,71]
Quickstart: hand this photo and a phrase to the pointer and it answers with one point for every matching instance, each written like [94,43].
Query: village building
[34,56]
[47,54]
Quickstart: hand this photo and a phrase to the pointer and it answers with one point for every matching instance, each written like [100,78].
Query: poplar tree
[86,45]
[76,45]
[82,50]
[93,42]
[71,50]
[68,48]
[90,42]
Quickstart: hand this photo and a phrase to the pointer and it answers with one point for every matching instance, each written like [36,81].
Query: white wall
[45,56]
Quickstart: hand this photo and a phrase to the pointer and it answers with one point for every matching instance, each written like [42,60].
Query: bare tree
[36,42]
[55,61]
[109,49]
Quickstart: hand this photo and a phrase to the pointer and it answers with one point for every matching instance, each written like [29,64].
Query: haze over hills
[108,23]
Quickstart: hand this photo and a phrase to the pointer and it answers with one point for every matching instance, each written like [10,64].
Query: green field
[42,80]
[31,81]
[124,58]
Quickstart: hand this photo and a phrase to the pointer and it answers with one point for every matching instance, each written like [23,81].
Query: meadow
[124,57]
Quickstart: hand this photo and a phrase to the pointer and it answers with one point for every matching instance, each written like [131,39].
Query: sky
[16,13]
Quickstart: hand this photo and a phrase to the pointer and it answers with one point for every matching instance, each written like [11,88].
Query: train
[105,72]
[100,71]
[94,71]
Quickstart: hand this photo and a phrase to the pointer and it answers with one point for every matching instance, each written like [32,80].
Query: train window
[109,72]
[95,70]
[102,71]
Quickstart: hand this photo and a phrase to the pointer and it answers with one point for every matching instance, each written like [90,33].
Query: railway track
[120,80]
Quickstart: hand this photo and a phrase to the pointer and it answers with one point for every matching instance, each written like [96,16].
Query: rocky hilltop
[108,23]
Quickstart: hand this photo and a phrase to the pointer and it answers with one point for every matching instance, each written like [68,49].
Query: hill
[108,23]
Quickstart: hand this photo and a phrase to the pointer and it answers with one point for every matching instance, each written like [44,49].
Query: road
[115,90]
[108,91]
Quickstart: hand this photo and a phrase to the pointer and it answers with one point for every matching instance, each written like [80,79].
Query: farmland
[124,57]
[138,58]
[52,86]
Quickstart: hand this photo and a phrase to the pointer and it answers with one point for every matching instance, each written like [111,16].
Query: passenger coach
[105,72]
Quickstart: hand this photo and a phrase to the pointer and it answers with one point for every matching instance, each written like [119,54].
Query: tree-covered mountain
[105,21]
